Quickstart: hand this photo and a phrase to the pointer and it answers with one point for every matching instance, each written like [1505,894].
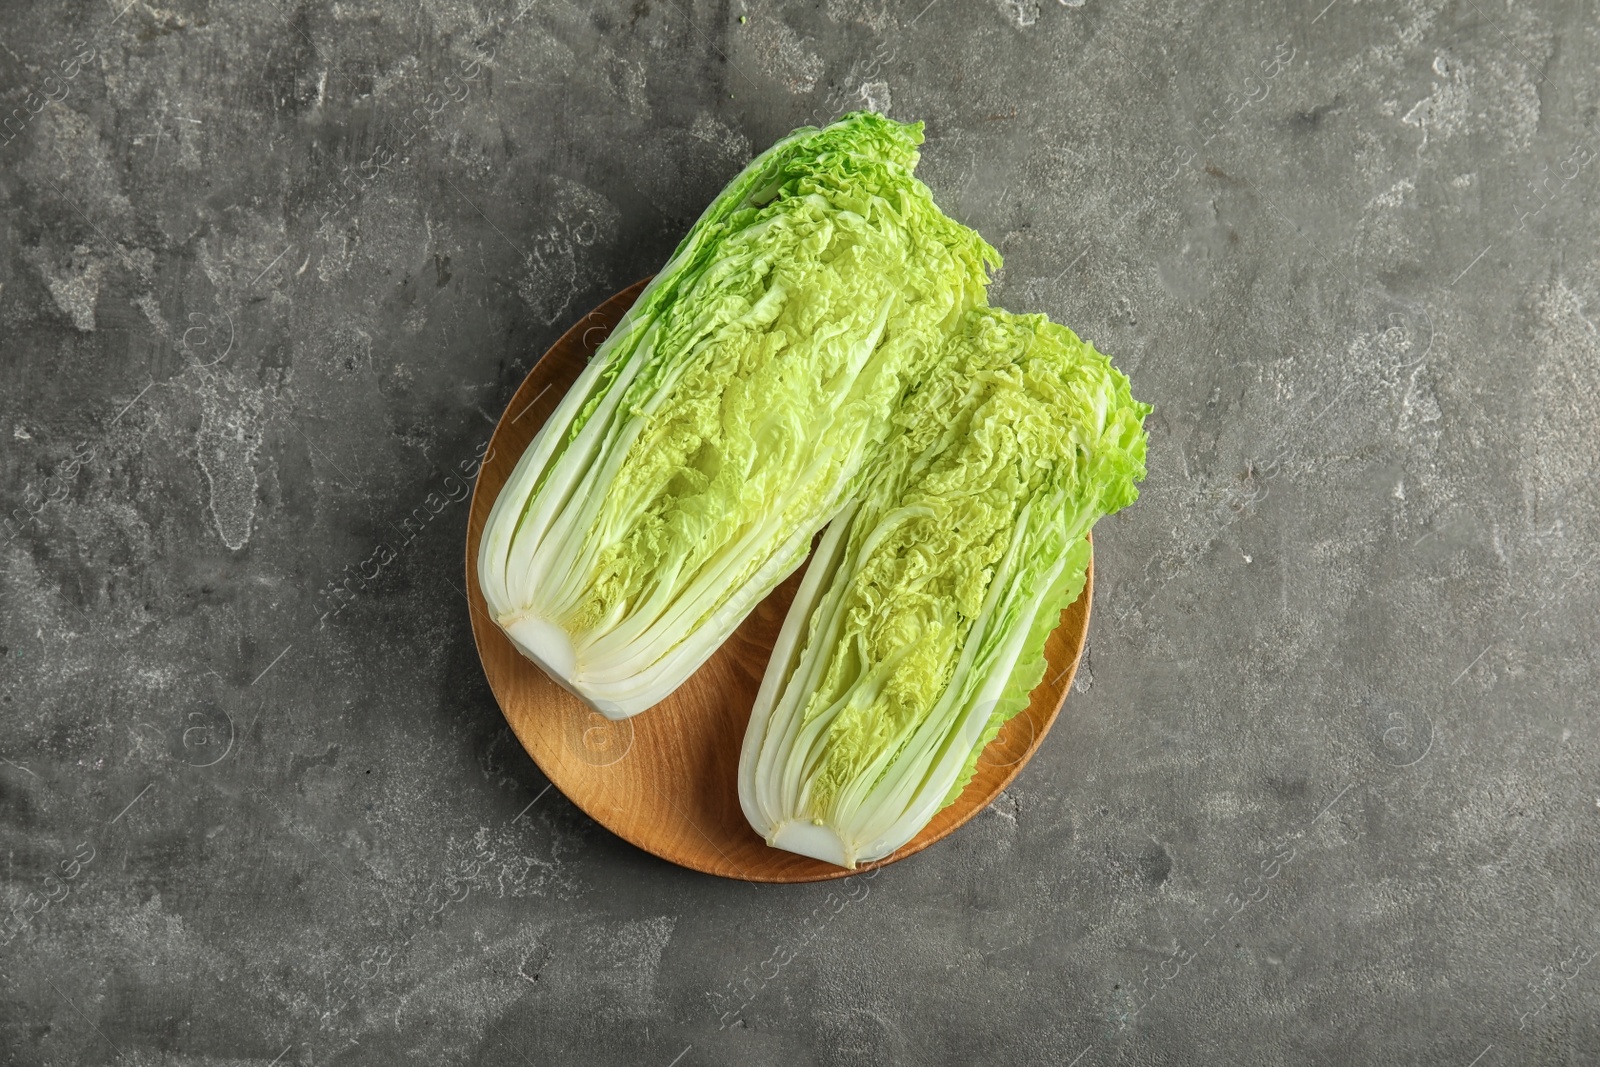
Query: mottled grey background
[1325,791]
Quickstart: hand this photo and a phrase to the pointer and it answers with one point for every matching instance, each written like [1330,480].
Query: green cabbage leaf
[920,625]
[735,409]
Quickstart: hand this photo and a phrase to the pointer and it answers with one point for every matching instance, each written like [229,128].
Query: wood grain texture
[666,780]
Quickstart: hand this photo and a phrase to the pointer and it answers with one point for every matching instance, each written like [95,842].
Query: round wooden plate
[666,780]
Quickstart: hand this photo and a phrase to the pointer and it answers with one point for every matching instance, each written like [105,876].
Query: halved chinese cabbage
[920,625]
[729,415]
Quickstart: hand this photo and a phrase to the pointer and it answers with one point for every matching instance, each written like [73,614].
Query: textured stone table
[1325,792]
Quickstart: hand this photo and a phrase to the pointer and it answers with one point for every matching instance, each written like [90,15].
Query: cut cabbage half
[920,625]
[729,415]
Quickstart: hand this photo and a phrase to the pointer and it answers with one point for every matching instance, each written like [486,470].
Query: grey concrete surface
[1326,791]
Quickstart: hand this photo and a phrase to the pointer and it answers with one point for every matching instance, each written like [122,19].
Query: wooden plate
[666,780]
